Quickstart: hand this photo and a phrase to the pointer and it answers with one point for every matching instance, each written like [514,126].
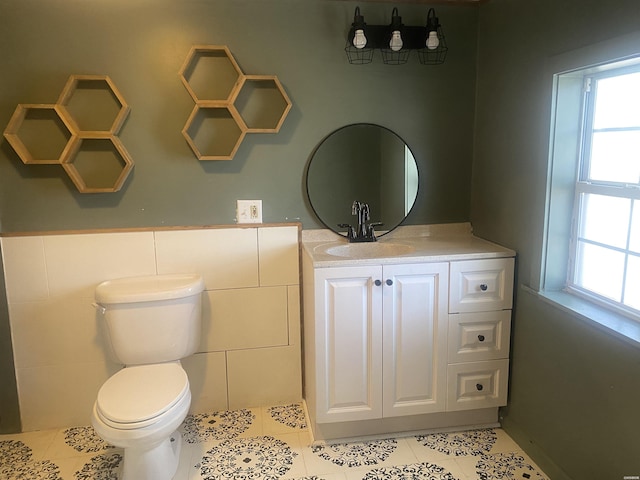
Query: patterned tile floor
[272,443]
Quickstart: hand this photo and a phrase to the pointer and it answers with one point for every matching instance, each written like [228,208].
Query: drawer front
[481,285]
[477,385]
[479,336]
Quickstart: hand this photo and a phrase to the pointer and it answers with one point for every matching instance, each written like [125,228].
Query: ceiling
[450,2]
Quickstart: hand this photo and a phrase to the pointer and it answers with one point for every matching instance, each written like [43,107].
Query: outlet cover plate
[249,211]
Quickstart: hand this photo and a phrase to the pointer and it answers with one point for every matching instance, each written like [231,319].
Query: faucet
[363,232]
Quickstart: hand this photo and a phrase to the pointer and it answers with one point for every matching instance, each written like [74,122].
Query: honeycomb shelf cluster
[228,103]
[79,132]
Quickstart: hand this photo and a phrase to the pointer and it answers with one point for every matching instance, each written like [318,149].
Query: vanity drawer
[481,285]
[479,336]
[477,385]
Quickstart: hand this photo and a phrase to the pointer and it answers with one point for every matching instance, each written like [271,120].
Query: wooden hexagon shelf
[262,103]
[93,104]
[214,131]
[79,133]
[205,63]
[229,104]
[97,164]
[39,133]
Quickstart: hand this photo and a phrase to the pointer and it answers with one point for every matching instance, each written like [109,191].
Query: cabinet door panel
[349,386]
[414,338]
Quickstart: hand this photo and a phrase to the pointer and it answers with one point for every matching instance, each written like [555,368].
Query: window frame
[585,185]
[563,76]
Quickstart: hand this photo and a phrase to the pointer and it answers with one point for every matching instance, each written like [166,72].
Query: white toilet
[150,324]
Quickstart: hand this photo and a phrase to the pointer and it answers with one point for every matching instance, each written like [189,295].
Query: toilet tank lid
[149,288]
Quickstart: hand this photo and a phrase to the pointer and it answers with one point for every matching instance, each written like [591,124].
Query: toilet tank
[151,319]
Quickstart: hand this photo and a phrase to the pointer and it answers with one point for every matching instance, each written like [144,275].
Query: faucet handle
[350,232]
[370,230]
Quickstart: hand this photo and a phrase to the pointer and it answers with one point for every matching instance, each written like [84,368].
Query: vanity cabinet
[406,342]
[380,341]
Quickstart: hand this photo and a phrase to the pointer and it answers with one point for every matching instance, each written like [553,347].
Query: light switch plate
[249,211]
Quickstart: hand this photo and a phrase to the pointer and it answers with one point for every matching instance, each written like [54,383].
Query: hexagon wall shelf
[39,134]
[214,132]
[202,66]
[93,104]
[97,164]
[229,104]
[262,103]
[79,133]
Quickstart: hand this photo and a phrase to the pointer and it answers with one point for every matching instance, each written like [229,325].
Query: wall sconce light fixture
[396,40]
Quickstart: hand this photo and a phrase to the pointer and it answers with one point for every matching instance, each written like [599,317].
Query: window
[604,254]
[590,251]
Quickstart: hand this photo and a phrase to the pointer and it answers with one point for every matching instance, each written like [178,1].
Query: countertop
[406,244]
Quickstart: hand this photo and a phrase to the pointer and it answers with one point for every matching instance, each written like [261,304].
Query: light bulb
[432,40]
[359,40]
[396,41]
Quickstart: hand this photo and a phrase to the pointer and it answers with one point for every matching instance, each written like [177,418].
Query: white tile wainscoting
[250,350]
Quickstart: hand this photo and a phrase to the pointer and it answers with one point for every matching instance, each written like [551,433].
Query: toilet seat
[136,396]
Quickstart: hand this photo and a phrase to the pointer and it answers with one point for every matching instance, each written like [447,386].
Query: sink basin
[369,250]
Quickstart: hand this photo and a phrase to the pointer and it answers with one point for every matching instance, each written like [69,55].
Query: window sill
[613,323]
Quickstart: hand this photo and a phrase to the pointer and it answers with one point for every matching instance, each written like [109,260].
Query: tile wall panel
[264,376]
[226,258]
[76,264]
[24,268]
[208,381]
[59,395]
[245,318]
[56,332]
[278,256]
[293,308]
[59,346]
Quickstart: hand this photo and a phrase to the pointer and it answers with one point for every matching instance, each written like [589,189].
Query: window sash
[603,253]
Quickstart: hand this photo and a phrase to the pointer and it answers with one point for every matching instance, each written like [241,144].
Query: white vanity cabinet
[380,341]
[480,301]
[413,342]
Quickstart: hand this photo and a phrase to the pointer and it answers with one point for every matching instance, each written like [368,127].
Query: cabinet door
[415,338]
[349,344]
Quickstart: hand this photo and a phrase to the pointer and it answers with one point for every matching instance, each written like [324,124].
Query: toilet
[150,323]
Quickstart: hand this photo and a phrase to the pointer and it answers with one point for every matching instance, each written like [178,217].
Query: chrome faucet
[363,232]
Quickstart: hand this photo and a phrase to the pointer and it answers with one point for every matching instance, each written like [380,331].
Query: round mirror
[365,163]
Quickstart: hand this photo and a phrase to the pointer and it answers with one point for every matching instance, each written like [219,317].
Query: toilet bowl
[139,409]
[151,323]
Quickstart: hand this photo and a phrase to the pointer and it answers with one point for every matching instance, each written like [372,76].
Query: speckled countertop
[406,244]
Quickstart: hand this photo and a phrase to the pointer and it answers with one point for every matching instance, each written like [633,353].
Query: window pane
[600,270]
[605,219]
[632,287]
[618,102]
[615,157]
[634,244]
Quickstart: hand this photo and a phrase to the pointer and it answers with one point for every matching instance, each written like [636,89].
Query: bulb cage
[413,38]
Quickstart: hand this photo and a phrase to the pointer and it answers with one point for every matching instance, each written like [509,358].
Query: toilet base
[157,463]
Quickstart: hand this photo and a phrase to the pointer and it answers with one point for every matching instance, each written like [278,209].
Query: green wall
[574,389]
[142,45]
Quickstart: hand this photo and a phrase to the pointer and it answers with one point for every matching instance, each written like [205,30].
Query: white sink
[369,250]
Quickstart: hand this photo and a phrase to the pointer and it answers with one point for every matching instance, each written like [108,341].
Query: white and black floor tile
[270,444]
